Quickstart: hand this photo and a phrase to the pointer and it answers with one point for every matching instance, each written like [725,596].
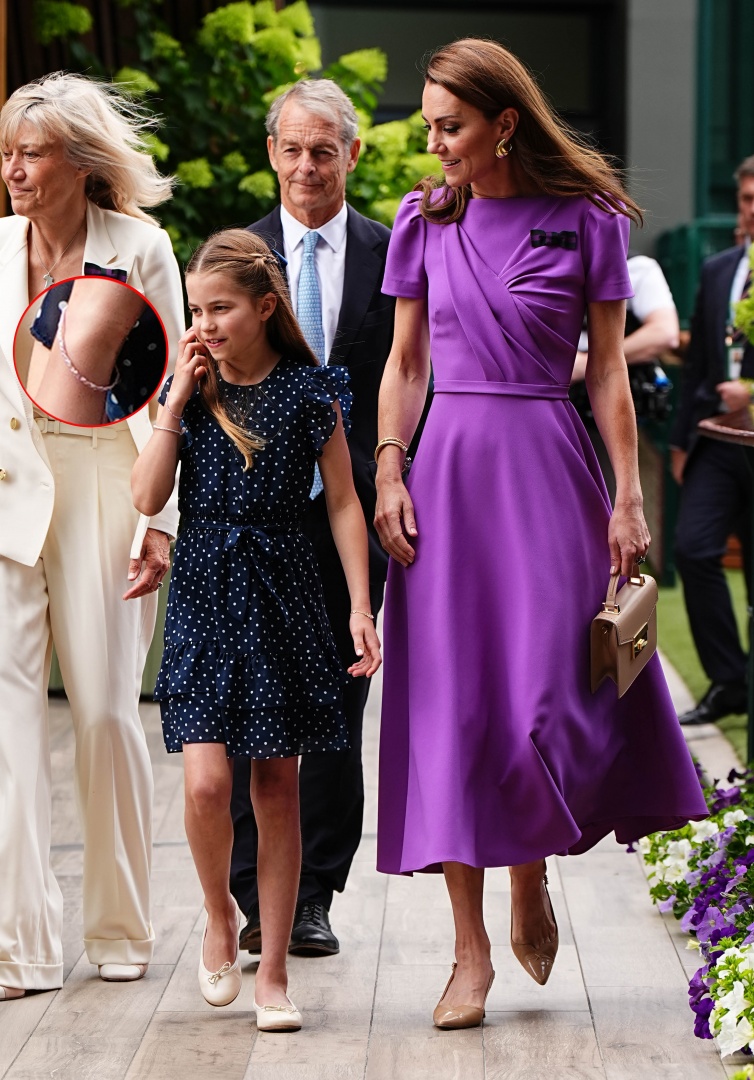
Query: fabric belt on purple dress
[247,546]
[504,389]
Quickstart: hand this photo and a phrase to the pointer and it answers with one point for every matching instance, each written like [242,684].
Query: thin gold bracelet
[366,614]
[391,441]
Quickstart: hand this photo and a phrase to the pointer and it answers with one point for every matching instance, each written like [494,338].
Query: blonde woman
[71,544]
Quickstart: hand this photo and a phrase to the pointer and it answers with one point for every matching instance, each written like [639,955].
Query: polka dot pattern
[249,656]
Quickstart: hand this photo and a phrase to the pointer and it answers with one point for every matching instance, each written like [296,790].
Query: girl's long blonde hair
[551,154]
[101,129]
[249,263]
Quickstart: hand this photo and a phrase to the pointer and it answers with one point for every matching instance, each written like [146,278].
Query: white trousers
[72,596]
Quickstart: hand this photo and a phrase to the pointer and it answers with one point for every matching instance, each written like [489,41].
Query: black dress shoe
[721,699]
[250,937]
[312,934]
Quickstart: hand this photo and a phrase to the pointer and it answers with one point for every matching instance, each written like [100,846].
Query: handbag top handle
[636,578]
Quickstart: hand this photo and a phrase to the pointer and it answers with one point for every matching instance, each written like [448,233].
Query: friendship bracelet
[174,415]
[391,441]
[71,366]
[161,427]
[366,614]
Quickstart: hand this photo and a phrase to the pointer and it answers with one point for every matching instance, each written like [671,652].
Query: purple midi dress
[493,749]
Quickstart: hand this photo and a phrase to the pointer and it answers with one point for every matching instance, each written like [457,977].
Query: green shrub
[213,92]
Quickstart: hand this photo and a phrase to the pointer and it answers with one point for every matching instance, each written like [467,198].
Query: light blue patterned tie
[309,313]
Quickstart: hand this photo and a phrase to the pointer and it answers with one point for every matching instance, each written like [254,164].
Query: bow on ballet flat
[565,239]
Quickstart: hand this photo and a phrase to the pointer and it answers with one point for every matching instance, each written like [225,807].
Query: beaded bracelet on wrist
[70,364]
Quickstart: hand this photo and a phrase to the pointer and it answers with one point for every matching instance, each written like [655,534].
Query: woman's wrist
[629,500]
[390,463]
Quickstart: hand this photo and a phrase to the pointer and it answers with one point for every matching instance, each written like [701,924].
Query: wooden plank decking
[614,1009]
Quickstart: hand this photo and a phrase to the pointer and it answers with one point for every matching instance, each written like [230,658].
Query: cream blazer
[27,488]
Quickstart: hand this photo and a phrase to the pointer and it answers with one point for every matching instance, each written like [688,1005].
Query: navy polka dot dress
[249,657]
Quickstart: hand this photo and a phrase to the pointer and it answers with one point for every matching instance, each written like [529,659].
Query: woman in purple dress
[494,750]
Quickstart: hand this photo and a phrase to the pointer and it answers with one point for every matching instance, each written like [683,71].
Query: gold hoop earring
[501,150]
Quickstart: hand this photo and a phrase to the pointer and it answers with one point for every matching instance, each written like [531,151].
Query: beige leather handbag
[624,634]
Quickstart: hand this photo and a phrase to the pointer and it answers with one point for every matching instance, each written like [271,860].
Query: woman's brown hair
[250,264]
[553,156]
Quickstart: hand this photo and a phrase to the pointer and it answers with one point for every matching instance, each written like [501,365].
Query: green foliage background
[213,94]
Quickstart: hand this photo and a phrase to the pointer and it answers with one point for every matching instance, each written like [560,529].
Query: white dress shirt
[329,263]
[651,292]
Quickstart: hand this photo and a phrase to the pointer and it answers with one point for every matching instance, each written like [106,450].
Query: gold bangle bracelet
[366,614]
[392,441]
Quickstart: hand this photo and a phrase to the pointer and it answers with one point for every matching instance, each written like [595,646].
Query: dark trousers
[716,500]
[331,785]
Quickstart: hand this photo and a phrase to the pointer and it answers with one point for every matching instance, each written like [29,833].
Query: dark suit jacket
[706,362]
[362,343]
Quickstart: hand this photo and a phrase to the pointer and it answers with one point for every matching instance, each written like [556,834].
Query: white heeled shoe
[278,1017]
[222,986]
[10,993]
[122,972]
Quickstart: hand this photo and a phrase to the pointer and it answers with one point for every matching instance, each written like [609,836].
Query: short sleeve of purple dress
[494,751]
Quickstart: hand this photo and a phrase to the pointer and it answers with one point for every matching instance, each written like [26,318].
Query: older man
[335,266]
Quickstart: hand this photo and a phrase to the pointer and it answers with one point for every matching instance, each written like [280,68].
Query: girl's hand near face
[190,368]
[366,645]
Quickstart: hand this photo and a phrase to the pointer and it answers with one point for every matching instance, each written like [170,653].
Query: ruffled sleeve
[405,274]
[605,249]
[322,387]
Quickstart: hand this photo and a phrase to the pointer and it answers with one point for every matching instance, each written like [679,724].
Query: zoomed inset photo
[90,351]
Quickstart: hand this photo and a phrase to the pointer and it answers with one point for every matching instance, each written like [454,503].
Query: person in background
[651,328]
[79,175]
[336,259]
[716,488]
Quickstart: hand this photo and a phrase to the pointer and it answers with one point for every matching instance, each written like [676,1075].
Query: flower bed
[704,874]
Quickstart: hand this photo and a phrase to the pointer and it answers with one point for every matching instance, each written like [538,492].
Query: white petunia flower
[733,817]
[735,1002]
[734,1036]
[703,830]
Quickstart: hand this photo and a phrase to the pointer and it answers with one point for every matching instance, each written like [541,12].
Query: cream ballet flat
[278,1017]
[10,993]
[122,972]
[222,986]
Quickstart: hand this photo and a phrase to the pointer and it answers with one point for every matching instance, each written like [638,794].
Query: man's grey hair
[746,168]
[320,96]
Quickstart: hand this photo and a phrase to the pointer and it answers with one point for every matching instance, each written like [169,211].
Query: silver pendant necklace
[48,278]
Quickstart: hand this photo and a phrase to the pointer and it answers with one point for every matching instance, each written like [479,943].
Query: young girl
[250,666]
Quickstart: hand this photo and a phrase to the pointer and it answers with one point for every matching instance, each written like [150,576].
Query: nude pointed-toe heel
[11,993]
[537,962]
[459,1016]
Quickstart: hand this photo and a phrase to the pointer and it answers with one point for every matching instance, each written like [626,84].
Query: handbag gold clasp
[640,642]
